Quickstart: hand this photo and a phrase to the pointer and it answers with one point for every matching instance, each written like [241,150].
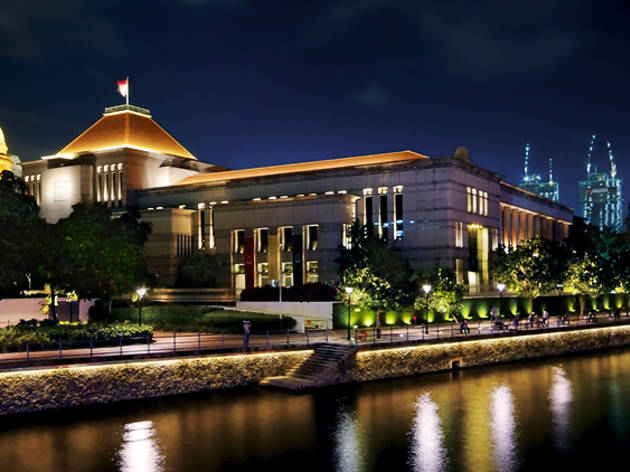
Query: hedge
[479,309]
[14,338]
[205,319]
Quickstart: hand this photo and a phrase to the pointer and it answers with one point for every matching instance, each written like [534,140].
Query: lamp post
[427,289]
[141,292]
[501,287]
[349,292]
[560,287]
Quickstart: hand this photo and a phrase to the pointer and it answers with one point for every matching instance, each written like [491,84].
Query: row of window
[110,184]
[286,239]
[34,186]
[382,222]
[286,273]
[476,201]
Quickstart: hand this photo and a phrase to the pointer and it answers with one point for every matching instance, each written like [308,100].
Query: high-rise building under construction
[600,193]
[534,182]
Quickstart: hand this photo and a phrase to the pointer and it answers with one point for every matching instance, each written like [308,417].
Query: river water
[570,413]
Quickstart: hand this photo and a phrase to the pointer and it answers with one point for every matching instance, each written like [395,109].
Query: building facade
[287,222]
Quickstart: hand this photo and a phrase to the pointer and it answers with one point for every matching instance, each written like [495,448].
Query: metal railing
[192,343]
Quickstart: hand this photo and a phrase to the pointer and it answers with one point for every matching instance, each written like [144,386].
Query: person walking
[247,326]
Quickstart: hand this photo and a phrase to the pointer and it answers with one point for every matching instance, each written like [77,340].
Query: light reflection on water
[560,398]
[503,427]
[531,416]
[427,439]
[347,443]
[140,451]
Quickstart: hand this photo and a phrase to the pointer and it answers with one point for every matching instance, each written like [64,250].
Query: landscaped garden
[203,319]
[46,335]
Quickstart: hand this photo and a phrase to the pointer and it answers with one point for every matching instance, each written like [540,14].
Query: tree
[94,255]
[531,269]
[20,228]
[202,269]
[582,277]
[382,279]
[446,294]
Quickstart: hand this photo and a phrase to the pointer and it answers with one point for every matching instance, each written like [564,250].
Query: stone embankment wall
[379,364]
[34,390]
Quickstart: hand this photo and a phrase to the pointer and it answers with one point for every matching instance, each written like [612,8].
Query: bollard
[326,333]
[407,332]
[306,335]
[174,341]
[222,339]
[148,344]
[91,346]
[199,341]
[267,339]
[28,350]
[60,349]
[120,344]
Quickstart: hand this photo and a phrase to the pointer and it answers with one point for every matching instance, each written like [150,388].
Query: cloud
[36,31]
[373,95]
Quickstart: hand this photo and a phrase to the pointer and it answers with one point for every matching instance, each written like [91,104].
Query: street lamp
[141,292]
[560,287]
[349,292]
[427,289]
[501,287]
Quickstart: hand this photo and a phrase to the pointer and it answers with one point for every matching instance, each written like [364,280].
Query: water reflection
[347,439]
[503,426]
[140,451]
[427,451]
[560,397]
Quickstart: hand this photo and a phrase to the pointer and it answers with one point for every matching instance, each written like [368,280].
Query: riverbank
[41,389]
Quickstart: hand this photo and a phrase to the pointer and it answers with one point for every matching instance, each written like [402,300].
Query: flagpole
[128,89]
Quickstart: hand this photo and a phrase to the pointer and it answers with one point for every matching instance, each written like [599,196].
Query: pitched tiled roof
[125,127]
[313,166]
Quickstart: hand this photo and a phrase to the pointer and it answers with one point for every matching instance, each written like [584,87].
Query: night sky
[253,83]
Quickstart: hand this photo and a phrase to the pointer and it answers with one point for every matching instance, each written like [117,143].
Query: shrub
[44,336]
[196,318]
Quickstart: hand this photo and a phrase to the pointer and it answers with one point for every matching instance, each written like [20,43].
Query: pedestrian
[545,318]
[517,318]
[463,327]
[247,326]
[494,313]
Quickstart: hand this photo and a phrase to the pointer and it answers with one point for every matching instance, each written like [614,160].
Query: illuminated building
[8,161]
[534,182]
[600,193]
[286,222]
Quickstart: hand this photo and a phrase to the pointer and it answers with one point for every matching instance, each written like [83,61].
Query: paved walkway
[168,343]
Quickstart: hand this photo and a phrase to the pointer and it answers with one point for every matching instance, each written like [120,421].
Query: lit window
[238,239]
[398,189]
[312,272]
[286,238]
[342,192]
[459,234]
[287,274]
[329,192]
[367,191]
[398,214]
[382,190]
[474,200]
[312,235]
[468,200]
[262,239]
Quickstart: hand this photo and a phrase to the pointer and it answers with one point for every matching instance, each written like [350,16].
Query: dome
[462,153]
[3,143]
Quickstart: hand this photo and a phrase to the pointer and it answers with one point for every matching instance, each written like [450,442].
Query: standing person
[545,318]
[247,326]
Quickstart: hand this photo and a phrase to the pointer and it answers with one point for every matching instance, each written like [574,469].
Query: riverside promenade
[172,344]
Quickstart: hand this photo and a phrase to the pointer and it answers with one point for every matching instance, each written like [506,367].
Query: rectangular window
[398,216]
[485,203]
[495,239]
[468,200]
[474,200]
[382,217]
[287,239]
[459,270]
[263,274]
[459,234]
[287,274]
[346,240]
[238,238]
[312,272]
[312,237]
[369,217]
[262,240]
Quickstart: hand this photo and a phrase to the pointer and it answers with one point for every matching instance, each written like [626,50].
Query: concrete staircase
[326,365]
